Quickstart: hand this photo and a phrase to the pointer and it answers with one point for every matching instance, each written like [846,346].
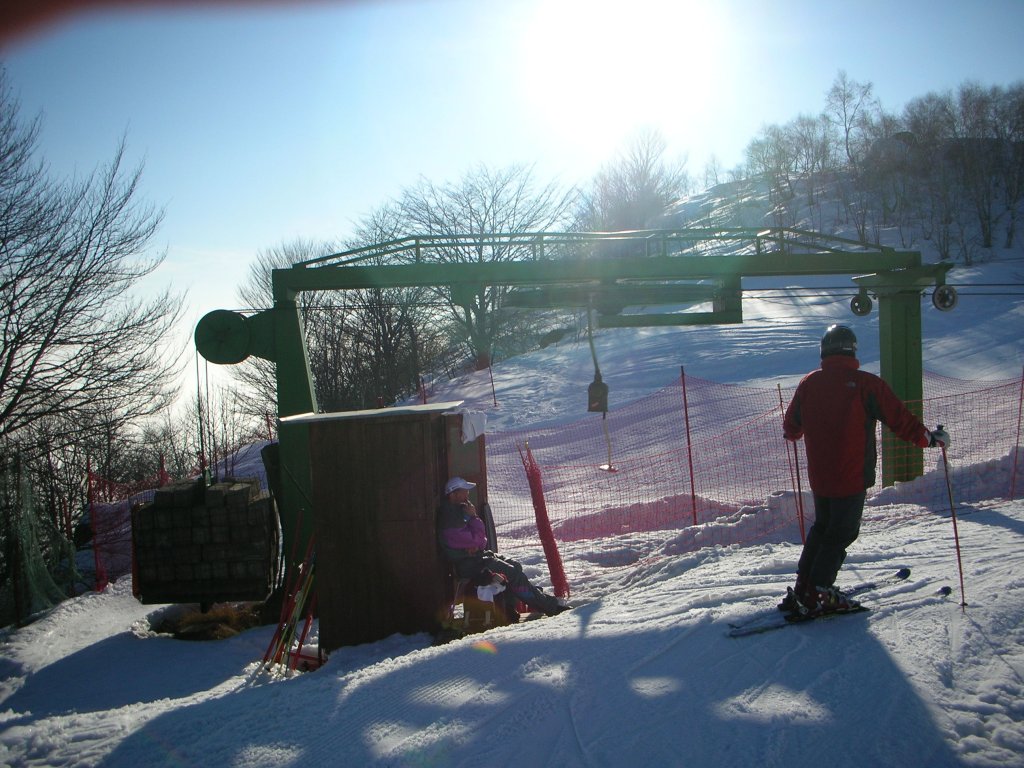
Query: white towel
[488,591]
[474,423]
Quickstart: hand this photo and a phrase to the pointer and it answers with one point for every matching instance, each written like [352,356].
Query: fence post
[547,537]
[689,444]
[1016,446]
[101,571]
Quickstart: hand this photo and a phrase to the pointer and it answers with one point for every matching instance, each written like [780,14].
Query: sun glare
[597,70]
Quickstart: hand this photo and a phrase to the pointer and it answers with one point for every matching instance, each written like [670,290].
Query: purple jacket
[459,532]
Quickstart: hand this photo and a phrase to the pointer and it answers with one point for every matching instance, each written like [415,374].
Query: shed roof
[372,413]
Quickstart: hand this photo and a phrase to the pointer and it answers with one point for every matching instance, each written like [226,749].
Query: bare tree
[939,195]
[173,437]
[848,106]
[713,172]
[75,340]
[82,353]
[969,160]
[975,153]
[773,156]
[363,346]
[320,315]
[1009,125]
[484,201]
[395,333]
[810,139]
[635,188]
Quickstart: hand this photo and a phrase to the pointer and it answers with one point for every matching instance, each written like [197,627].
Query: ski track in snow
[641,674]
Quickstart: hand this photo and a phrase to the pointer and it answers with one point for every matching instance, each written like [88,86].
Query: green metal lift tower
[649,267]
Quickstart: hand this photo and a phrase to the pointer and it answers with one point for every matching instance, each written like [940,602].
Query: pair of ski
[297,610]
[769,622]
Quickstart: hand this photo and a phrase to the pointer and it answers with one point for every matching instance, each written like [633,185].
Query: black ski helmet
[838,340]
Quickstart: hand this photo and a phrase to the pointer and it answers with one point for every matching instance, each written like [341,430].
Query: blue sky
[261,124]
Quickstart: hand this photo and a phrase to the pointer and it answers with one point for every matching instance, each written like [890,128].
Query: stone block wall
[199,544]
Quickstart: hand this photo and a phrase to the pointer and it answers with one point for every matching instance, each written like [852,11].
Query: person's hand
[469,509]
[938,438]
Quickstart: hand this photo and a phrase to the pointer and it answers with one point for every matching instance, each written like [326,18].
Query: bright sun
[597,70]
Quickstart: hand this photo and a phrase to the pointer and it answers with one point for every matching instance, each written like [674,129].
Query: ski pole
[956,532]
[794,474]
[799,492]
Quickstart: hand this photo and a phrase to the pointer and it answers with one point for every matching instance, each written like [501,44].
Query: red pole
[799,494]
[305,631]
[298,572]
[689,445]
[288,632]
[547,536]
[1016,448]
[794,475]
[101,574]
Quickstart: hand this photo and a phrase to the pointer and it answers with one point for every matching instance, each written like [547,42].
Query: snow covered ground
[642,673]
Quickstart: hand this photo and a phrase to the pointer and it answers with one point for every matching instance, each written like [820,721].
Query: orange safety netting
[110,517]
[709,459]
[701,458]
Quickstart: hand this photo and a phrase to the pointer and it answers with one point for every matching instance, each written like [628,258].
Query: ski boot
[833,600]
[821,600]
[791,601]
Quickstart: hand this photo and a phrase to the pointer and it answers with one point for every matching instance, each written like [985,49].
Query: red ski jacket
[835,409]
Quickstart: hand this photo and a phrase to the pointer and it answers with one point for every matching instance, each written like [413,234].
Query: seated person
[464,541]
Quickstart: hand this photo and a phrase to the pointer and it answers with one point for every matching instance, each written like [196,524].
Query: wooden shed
[377,479]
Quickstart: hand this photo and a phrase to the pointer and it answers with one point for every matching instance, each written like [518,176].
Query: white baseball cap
[457,483]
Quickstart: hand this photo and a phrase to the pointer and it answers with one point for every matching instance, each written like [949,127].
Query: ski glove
[939,437]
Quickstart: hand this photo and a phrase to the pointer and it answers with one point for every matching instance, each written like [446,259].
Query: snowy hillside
[642,672]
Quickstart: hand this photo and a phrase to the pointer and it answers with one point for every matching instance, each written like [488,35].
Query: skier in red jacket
[835,409]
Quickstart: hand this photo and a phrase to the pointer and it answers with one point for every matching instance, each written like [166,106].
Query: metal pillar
[902,367]
[295,396]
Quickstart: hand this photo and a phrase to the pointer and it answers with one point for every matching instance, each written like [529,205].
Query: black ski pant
[836,527]
[470,567]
